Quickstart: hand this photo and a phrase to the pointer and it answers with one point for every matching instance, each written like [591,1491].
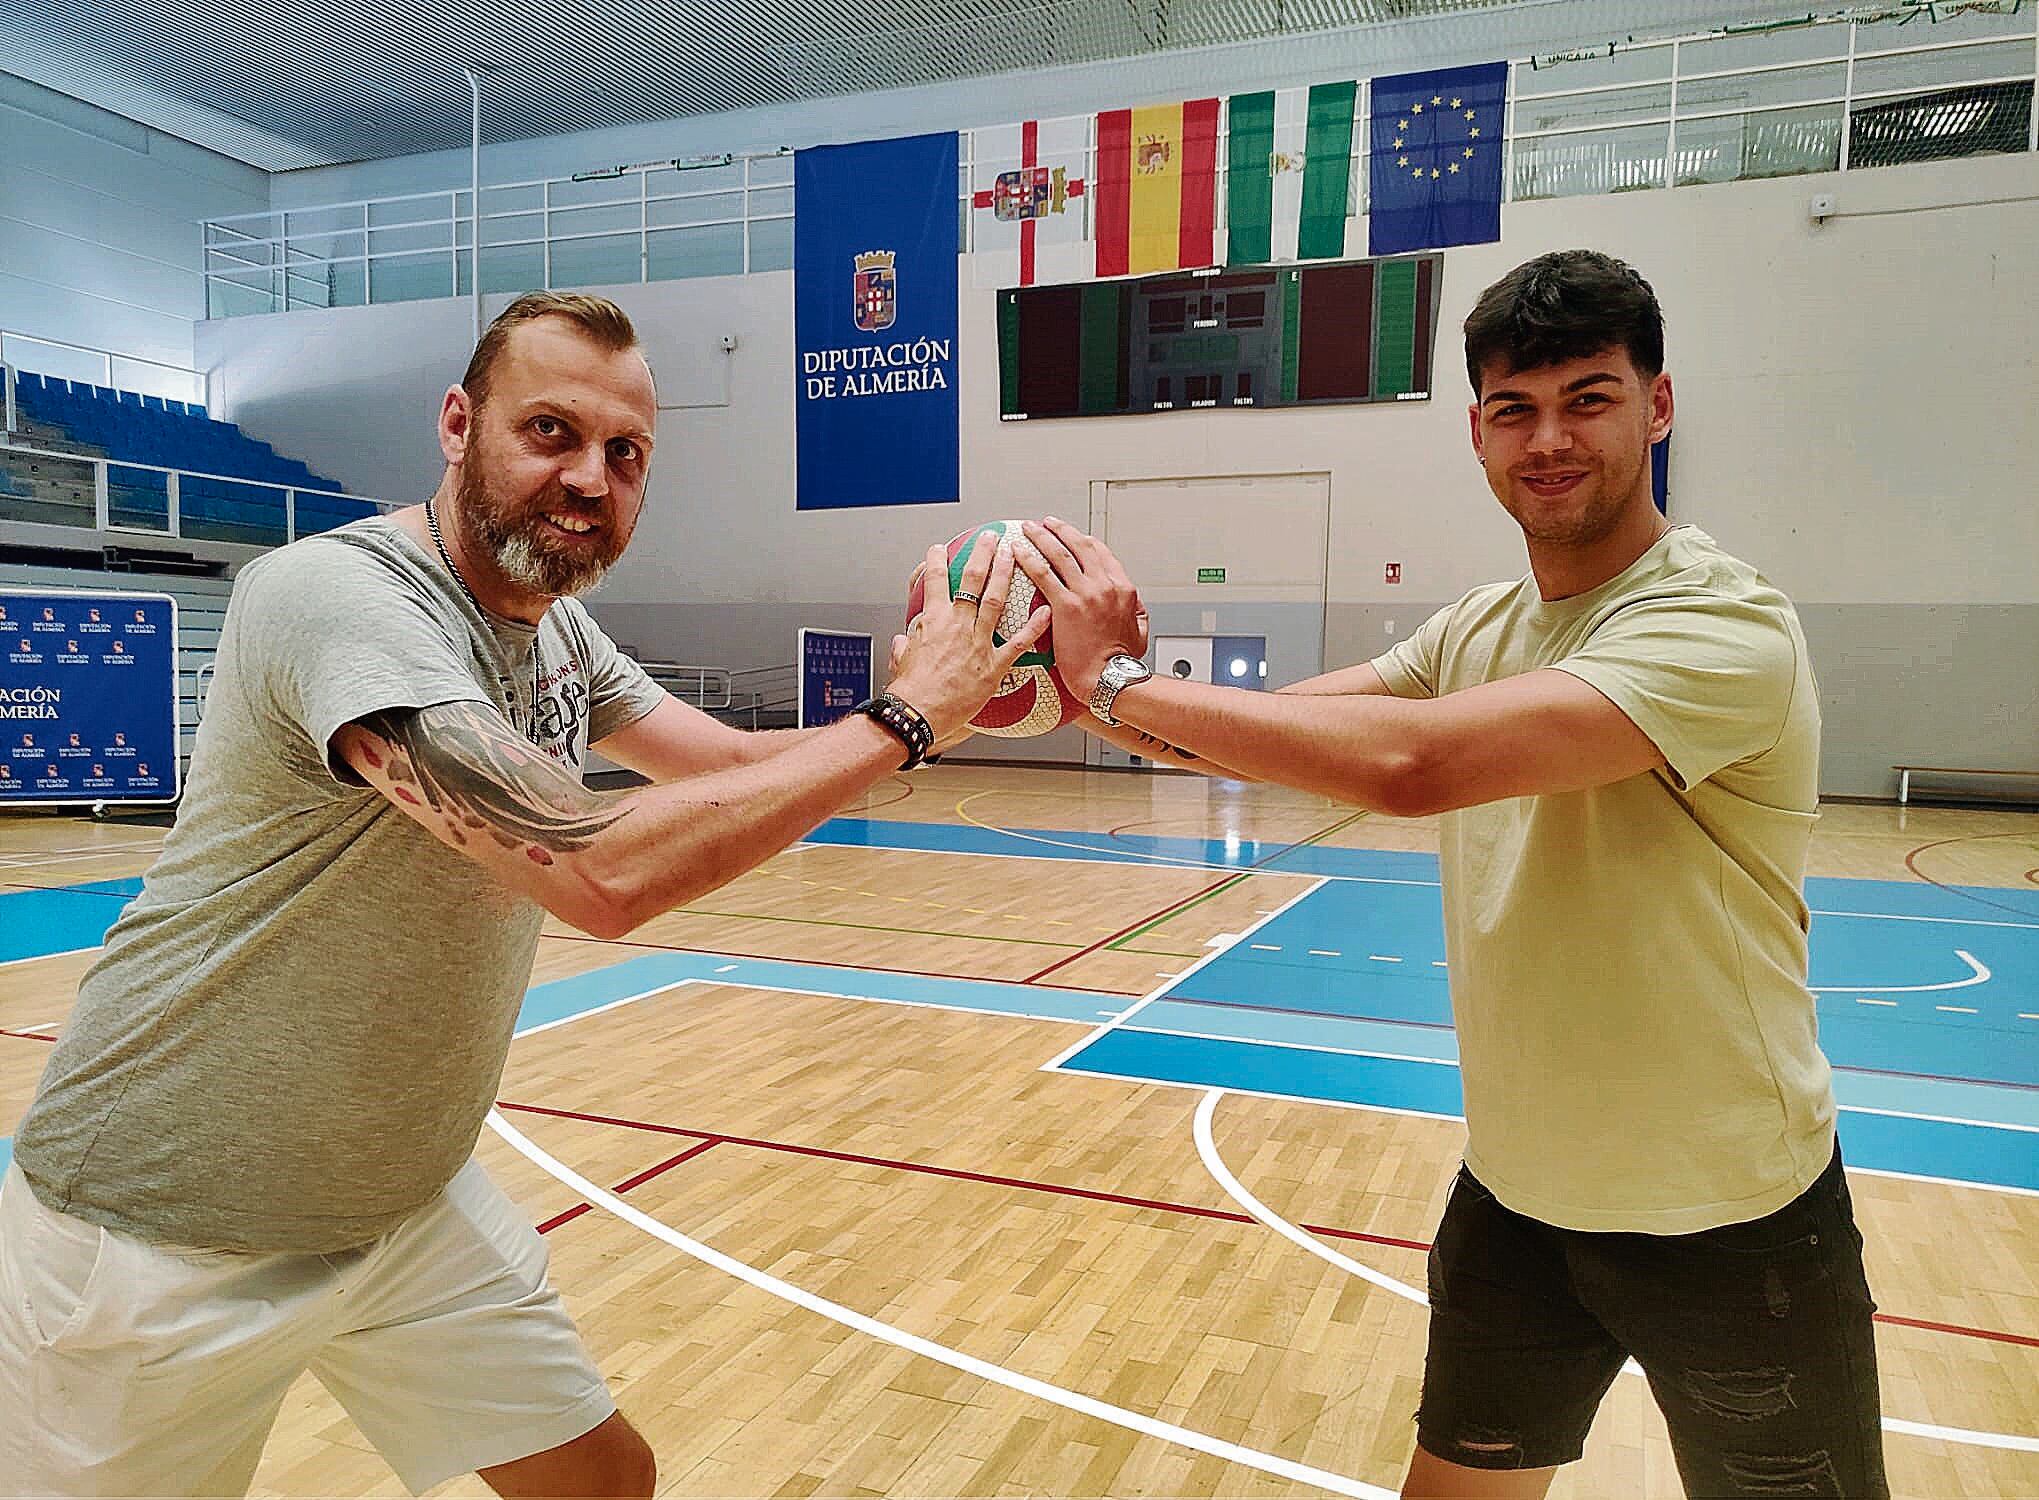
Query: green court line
[1220,889]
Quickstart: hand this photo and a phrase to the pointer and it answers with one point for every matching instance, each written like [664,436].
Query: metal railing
[116,495]
[133,372]
[721,215]
[736,691]
[1768,100]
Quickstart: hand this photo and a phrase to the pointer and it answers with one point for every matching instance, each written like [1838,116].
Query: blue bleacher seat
[152,430]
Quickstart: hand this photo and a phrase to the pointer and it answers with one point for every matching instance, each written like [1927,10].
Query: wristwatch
[1120,672]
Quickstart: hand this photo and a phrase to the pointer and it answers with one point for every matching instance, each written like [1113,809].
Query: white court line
[818,994]
[1234,1189]
[36,958]
[1891,916]
[1452,1062]
[1957,1182]
[1383,958]
[1286,1046]
[582,1015]
[1979,974]
[1151,996]
[16,862]
[1075,1401]
[112,846]
[1136,863]
[1143,862]
[1959,1010]
[1876,1002]
[1900,1114]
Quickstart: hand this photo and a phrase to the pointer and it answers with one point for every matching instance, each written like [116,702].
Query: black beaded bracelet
[905,721]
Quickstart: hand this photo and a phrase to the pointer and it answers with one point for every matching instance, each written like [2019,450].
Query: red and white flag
[1029,203]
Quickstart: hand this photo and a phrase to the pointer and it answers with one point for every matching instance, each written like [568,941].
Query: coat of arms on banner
[1029,193]
[877,291]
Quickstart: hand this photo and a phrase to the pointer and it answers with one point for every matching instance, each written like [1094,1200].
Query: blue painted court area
[1930,1015]
[36,924]
[564,999]
[1928,997]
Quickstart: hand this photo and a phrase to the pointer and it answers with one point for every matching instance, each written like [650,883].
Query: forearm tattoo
[464,763]
[1160,749]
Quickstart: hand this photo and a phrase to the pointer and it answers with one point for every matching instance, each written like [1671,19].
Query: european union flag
[1436,160]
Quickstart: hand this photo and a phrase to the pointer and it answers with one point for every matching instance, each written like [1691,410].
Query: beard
[1601,513]
[516,539]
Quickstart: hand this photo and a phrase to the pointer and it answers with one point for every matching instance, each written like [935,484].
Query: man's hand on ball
[949,665]
[1097,610]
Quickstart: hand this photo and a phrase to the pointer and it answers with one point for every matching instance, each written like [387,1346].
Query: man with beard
[1623,752]
[249,1155]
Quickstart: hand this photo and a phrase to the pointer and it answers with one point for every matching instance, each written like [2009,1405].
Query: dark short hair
[1563,306]
[597,317]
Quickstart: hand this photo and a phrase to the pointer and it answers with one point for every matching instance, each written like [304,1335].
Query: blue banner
[874,320]
[835,674]
[1435,167]
[88,697]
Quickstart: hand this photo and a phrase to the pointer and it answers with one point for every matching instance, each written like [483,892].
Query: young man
[1624,749]
[249,1154]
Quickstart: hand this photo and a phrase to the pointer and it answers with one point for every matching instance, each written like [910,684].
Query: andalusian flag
[1157,188]
[1290,179]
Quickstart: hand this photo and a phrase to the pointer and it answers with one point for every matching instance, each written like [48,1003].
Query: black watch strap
[904,721]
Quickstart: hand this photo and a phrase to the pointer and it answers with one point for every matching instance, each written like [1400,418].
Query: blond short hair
[599,318]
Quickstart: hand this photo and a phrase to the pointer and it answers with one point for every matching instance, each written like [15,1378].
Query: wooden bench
[1904,776]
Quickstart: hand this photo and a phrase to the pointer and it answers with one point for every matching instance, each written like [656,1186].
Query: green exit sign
[1210,575]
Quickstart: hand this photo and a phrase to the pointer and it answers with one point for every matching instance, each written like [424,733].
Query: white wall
[1855,416]
[99,224]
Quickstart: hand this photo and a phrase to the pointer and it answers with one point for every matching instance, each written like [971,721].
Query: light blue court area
[1929,1012]
[1928,997]
[36,924]
[1217,855]
[563,999]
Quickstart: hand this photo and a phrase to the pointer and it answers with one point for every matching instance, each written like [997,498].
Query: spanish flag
[1157,188]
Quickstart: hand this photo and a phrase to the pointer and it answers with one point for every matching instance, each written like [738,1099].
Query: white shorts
[135,1369]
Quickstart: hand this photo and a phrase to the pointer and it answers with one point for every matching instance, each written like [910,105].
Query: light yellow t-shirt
[1627,964]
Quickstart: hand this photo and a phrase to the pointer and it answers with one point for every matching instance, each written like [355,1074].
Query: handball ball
[1032,699]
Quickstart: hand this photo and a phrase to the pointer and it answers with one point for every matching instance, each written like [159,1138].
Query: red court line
[1168,911]
[906,790]
[630,1182]
[1911,862]
[1189,1209]
[1132,927]
[955,1173]
[1956,1328]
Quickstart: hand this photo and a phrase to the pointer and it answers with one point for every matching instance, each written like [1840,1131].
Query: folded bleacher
[231,486]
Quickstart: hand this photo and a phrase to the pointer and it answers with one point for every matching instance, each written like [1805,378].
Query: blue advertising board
[874,324]
[835,674]
[88,697]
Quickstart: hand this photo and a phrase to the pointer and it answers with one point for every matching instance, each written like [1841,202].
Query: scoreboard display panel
[1351,331]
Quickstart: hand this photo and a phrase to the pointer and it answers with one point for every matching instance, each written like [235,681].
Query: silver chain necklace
[503,679]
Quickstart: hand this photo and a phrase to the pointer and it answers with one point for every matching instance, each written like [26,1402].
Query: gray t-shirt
[297,1027]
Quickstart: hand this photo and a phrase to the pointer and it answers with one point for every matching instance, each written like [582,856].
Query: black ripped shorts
[1756,1338]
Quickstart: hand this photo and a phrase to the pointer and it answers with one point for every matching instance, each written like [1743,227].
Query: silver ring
[964,596]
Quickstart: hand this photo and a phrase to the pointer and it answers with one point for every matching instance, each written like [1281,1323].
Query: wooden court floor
[916,1166]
